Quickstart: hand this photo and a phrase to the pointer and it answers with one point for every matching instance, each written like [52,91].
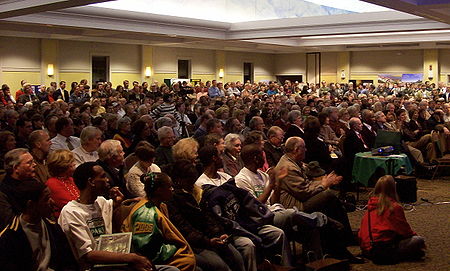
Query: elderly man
[166,139]
[296,122]
[20,170]
[354,141]
[110,158]
[298,190]
[64,139]
[39,142]
[91,138]
[272,147]
[256,123]
[297,225]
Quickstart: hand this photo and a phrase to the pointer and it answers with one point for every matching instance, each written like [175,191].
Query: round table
[365,165]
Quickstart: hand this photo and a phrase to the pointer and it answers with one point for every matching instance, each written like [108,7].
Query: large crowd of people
[207,177]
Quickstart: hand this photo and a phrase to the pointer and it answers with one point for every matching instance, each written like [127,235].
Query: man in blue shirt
[214,91]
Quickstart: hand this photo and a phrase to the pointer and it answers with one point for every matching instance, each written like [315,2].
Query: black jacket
[9,200]
[368,136]
[116,178]
[273,154]
[16,253]
[198,226]
[59,95]
[237,208]
[317,150]
[293,131]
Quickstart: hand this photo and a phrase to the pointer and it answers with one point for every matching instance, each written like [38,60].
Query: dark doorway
[248,72]
[184,68]
[100,69]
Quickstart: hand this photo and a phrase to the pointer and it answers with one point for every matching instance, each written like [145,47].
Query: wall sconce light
[221,73]
[148,71]
[50,70]
[342,74]
[430,72]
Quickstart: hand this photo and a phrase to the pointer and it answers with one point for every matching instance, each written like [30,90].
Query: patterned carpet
[431,221]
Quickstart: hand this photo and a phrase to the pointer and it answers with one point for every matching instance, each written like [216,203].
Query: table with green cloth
[366,164]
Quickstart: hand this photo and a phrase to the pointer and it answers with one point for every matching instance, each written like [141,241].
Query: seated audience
[84,220]
[39,142]
[273,146]
[90,139]
[19,167]
[211,161]
[145,156]
[7,143]
[295,119]
[32,241]
[166,245]
[296,189]
[61,166]
[207,237]
[64,139]
[230,157]
[110,158]
[166,139]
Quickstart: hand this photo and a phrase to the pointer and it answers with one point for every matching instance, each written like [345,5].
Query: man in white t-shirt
[85,219]
[210,158]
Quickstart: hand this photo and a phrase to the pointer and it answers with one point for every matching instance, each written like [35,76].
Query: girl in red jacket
[388,223]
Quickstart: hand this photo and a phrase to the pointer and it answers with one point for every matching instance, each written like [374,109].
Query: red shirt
[62,191]
[385,227]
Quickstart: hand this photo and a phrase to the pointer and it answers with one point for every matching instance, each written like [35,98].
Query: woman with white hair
[232,162]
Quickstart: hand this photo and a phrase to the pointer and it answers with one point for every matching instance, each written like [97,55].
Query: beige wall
[390,62]
[328,69]
[26,58]
[444,60]
[290,64]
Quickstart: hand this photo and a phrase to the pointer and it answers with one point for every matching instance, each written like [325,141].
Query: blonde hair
[59,161]
[186,148]
[386,191]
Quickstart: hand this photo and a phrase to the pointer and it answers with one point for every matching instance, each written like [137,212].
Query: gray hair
[123,121]
[330,109]
[163,131]
[230,138]
[378,114]
[88,133]
[293,115]
[108,149]
[292,144]
[142,109]
[12,159]
[352,110]
[252,122]
[10,113]
[163,121]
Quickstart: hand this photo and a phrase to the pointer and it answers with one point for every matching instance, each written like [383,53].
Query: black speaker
[406,188]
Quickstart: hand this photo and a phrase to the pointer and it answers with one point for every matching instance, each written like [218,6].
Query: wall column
[220,64]
[147,61]
[49,55]
[431,58]
[343,67]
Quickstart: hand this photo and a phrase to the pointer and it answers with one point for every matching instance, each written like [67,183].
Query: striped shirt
[162,110]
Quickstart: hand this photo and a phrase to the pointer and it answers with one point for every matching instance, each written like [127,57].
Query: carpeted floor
[431,221]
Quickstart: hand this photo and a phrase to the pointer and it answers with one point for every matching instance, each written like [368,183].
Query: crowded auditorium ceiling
[252,26]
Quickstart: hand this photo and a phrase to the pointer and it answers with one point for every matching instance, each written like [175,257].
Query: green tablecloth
[365,165]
